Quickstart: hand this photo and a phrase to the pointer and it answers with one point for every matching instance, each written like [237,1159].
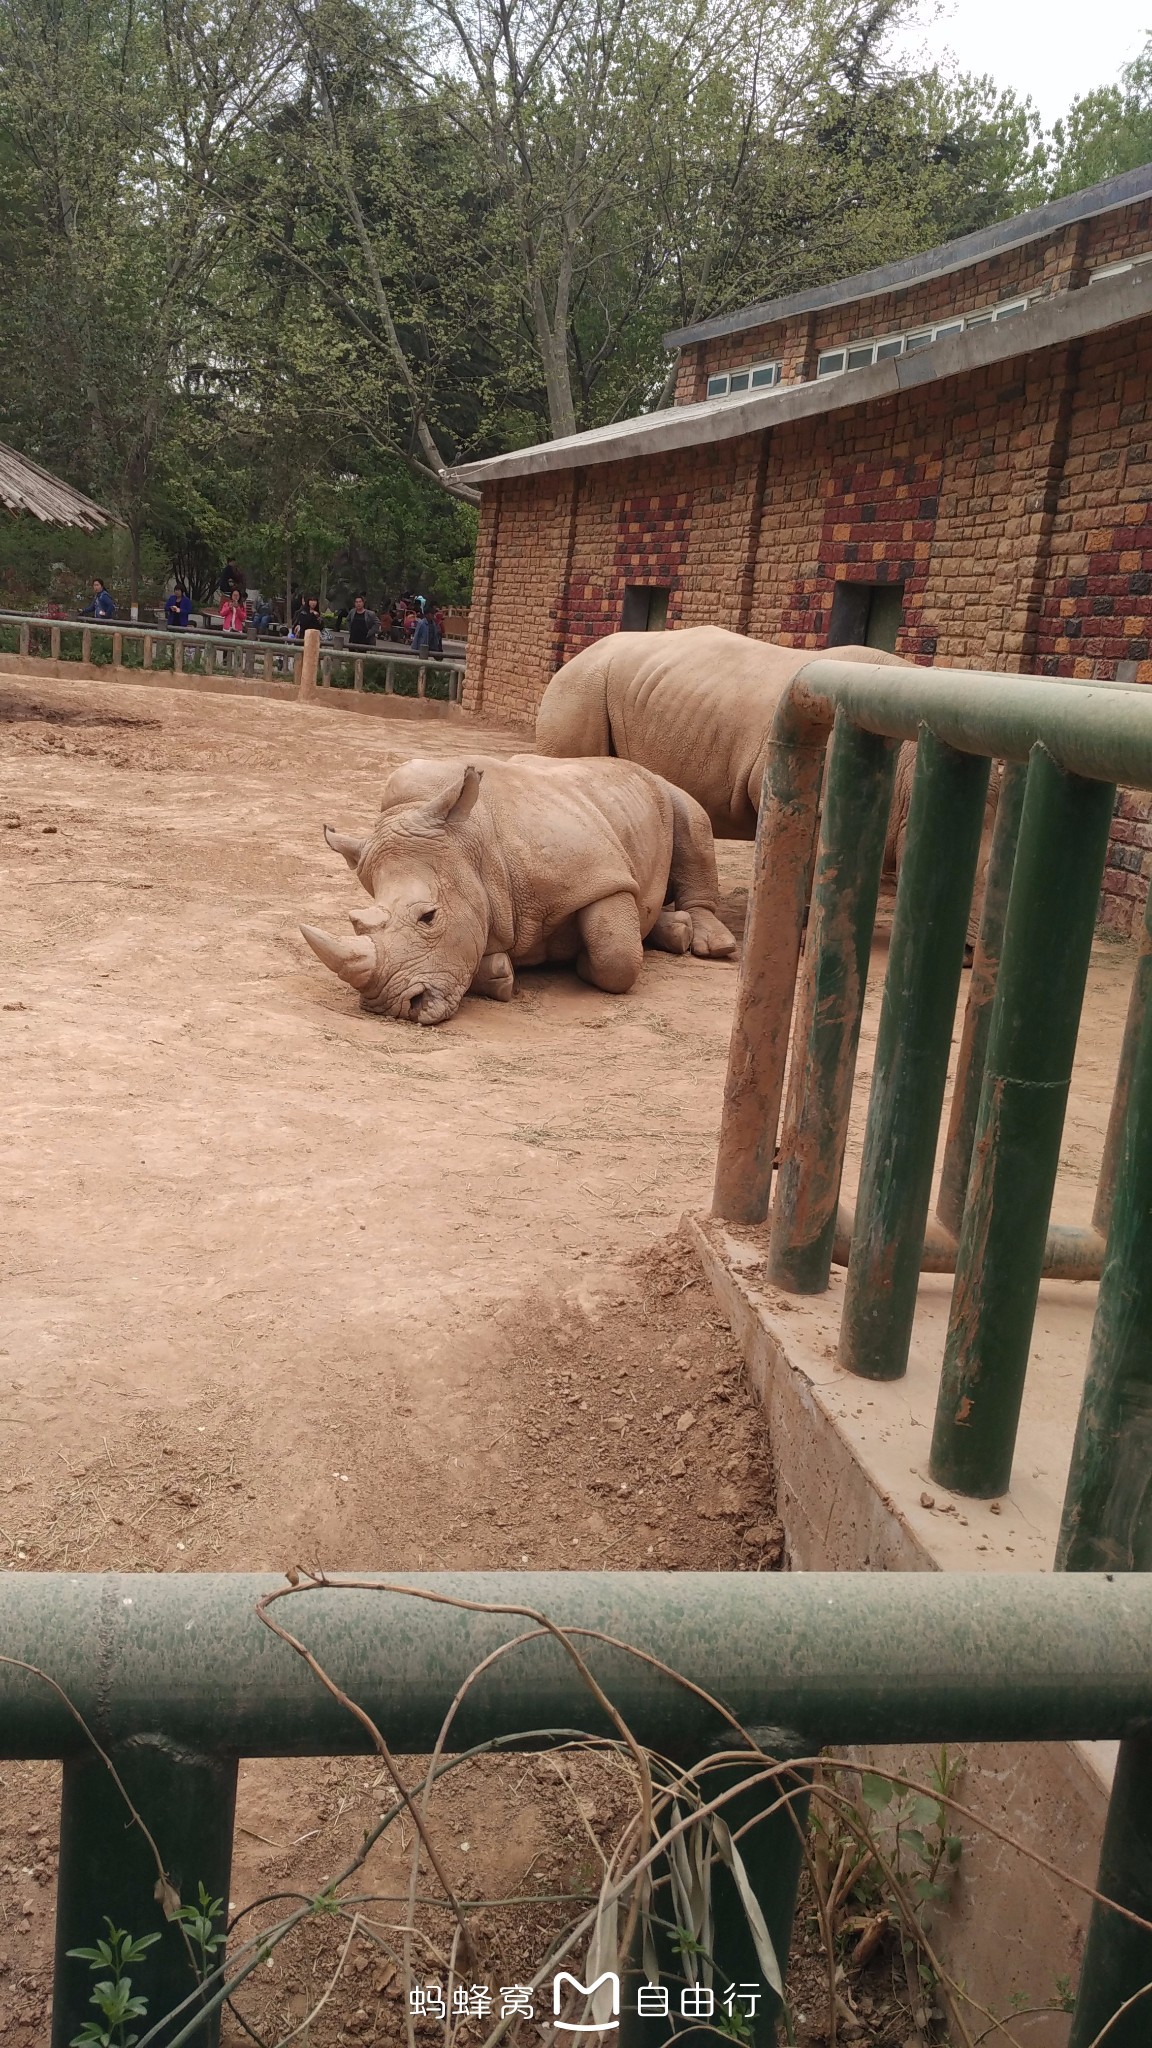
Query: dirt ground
[287,1283]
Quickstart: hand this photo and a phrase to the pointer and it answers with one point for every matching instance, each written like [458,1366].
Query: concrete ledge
[372,704]
[849,1498]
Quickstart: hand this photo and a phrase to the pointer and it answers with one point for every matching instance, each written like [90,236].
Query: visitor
[309,619]
[422,634]
[363,625]
[231,578]
[233,612]
[178,607]
[263,614]
[102,604]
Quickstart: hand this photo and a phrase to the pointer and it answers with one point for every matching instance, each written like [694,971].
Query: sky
[1050,49]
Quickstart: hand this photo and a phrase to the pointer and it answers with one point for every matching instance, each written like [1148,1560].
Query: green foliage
[203,1923]
[271,271]
[112,1994]
[1106,131]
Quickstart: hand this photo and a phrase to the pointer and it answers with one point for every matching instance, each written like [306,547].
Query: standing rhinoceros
[476,868]
[696,706]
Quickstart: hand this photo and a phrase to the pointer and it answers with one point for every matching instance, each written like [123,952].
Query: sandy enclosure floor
[282,1282]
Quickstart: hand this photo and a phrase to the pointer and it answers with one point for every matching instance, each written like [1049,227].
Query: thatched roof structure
[25,487]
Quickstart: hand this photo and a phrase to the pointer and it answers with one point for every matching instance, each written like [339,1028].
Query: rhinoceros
[696,706]
[478,867]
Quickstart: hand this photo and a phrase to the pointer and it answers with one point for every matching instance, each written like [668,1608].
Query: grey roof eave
[1067,316]
[996,240]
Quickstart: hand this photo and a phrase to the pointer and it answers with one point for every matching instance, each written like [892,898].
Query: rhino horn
[343,842]
[365,921]
[354,960]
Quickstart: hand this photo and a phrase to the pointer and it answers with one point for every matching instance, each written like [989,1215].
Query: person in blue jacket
[103,604]
[178,607]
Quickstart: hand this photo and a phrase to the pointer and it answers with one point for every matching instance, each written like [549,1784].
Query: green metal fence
[1066,746]
[176,1678]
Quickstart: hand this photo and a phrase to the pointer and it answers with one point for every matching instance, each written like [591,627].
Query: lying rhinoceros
[696,706]
[476,868]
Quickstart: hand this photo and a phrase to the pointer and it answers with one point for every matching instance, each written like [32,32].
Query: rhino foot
[494,978]
[672,932]
[711,940]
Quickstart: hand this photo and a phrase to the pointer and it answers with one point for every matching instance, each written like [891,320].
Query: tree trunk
[288,580]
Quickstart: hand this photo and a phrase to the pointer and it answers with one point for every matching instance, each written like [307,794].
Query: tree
[1106,131]
[121,118]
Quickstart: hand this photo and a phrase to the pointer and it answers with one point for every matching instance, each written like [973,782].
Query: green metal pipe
[1139,1002]
[1031,1045]
[1117,1964]
[773,935]
[854,823]
[107,1869]
[771,1850]
[1099,730]
[1107,1519]
[845,1656]
[981,990]
[925,961]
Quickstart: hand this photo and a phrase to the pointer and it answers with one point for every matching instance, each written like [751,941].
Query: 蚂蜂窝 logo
[565,1980]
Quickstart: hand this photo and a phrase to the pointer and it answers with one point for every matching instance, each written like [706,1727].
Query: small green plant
[200,1925]
[112,1996]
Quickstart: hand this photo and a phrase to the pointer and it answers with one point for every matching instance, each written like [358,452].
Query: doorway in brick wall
[645,608]
[866,615]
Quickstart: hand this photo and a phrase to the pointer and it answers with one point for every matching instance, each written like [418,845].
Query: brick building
[950,456]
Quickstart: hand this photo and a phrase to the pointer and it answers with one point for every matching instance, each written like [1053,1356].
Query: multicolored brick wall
[1055,263]
[1014,505]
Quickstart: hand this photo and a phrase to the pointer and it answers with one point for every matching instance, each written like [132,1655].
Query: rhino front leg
[612,952]
[693,884]
[494,978]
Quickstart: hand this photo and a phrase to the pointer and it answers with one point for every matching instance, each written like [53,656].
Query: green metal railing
[1066,746]
[176,1678]
[190,652]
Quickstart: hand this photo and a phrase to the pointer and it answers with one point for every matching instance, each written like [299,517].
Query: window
[758,377]
[866,615]
[858,355]
[1118,268]
[645,609]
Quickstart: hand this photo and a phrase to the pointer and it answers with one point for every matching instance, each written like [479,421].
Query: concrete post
[309,663]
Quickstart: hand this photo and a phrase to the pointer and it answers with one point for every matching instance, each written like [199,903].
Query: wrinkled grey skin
[475,869]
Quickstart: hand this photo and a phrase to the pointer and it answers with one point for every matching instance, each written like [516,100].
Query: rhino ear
[354,960]
[451,804]
[343,842]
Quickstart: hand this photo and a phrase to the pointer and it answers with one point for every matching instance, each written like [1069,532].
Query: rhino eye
[426,916]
